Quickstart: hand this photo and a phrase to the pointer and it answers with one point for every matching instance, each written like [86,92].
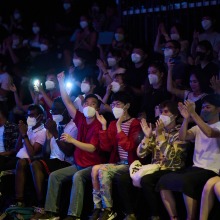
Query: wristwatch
[24,136]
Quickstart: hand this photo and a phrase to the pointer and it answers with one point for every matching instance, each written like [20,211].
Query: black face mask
[201,55]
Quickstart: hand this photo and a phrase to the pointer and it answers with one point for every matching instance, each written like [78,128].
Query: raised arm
[184,134]
[206,129]
[66,99]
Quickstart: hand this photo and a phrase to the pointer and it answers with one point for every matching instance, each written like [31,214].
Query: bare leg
[169,203]
[20,178]
[38,178]
[191,205]
[217,189]
[96,187]
[208,197]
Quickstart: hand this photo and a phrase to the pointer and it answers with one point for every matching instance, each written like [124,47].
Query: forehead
[138,51]
[91,100]
[51,77]
[169,44]
[206,104]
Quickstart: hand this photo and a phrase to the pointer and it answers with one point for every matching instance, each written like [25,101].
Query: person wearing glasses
[120,139]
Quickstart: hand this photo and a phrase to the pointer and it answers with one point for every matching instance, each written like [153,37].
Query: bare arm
[66,99]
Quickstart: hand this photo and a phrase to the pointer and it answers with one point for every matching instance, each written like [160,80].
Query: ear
[127,106]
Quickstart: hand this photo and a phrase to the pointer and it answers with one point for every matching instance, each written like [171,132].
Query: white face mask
[136,58]
[83,24]
[43,47]
[49,85]
[77,62]
[57,118]
[206,24]
[175,36]
[153,79]
[168,52]
[35,29]
[111,61]
[66,6]
[85,87]
[31,122]
[89,112]
[165,119]
[115,86]
[117,112]
[17,15]
[15,43]
[119,37]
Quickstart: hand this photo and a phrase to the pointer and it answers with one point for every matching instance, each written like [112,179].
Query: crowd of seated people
[102,109]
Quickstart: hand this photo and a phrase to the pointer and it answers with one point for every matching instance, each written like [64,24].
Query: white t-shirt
[207,150]
[189,95]
[70,129]
[37,135]
[2,148]
[5,81]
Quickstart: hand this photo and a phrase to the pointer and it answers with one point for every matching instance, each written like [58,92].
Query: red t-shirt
[88,133]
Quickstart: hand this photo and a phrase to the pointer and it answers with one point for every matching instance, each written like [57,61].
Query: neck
[157,86]
[203,63]
[197,93]
[126,116]
[138,65]
[37,125]
[90,120]
[170,126]
[213,120]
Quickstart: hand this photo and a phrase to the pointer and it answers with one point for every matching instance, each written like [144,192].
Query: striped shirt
[125,128]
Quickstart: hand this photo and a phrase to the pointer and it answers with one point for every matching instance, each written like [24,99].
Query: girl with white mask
[112,67]
[88,86]
[120,139]
[155,93]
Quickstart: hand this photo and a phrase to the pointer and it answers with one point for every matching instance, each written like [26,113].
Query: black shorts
[51,165]
[189,181]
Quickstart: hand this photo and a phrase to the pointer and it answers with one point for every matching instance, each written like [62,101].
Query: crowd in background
[73,74]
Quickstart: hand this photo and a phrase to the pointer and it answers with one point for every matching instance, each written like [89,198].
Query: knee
[34,166]
[77,177]
[145,181]
[21,164]
[217,190]
[53,178]
[95,172]
[208,186]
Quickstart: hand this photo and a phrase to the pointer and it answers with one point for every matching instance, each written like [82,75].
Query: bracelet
[56,139]
[25,136]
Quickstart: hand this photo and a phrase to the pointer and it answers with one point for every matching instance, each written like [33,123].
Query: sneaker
[49,216]
[95,214]
[130,217]
[107,215]
[18,204]
[39,212]
[69,217]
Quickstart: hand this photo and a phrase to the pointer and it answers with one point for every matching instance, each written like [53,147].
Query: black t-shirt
[210,70]
[151,99]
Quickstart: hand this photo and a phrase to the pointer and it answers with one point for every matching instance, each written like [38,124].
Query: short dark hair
[125,98]
[39,109]
[175,43]
[171,105]
[205,44]
[95,97]
[213,99]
